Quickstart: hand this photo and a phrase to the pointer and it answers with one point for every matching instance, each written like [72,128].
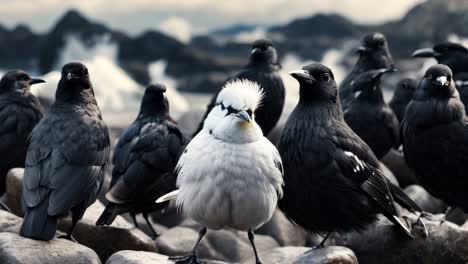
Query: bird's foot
[190,259]
[432,217]
[314,248]
[155,236]
[419,225]
[68,237]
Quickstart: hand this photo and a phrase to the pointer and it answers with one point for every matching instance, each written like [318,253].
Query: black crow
[403,94]
[144,160]
[455,56]
[435,137]
[20,111]
[263,69]
[373,54]
[369,116]
[332,180]
[67,157]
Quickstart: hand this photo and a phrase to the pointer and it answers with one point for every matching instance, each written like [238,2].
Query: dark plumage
[332,180]
[144,160]
[455,56]
[369,116]
[263,69]
[403,94]
[435,137]
[20,111]
[67,157]
[373,54]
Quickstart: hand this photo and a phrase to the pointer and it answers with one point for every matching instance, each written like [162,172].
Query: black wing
[17,120]
[358,164]
[151,156]
[66,161]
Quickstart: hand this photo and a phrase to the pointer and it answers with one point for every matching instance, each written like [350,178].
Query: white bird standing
[229,175]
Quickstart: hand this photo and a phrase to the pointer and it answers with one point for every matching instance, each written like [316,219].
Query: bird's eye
[249,112]
[429,76]
[326,77]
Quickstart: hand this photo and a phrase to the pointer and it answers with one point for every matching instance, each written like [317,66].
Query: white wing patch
[360,164]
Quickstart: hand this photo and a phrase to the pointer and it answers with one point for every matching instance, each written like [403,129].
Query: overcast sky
[197,16]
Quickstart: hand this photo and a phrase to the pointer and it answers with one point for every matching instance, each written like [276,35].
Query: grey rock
[15,249]
[222,245]
[389,174]
[395,161]
[141,257]
[9,222]
[106,240]
[12,196]
[283,231]
[288,255]
[383,244]
[425,200]
[189,121]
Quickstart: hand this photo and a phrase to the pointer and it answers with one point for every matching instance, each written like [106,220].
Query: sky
[195,16]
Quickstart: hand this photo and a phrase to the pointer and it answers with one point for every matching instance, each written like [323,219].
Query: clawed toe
[191,259]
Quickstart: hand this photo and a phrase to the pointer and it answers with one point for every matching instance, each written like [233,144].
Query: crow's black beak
[36,81]
[424,53]
[302,75]
[361,49]
[71,76]
[255,50]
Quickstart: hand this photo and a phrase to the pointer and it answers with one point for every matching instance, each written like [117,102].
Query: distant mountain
[205,62]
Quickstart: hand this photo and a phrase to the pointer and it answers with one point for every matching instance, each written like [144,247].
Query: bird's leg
[155,234]
[192,258]
[133,216]
[322,244]
[251,238]
[69,235]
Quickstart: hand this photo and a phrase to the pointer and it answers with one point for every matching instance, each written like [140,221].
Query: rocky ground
[278,241]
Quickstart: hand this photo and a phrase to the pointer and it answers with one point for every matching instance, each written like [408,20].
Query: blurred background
[193,46]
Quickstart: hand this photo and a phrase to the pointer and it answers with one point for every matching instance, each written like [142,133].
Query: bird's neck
[366,63]
[83,97]
[425,113]
[319,111]
[263,65]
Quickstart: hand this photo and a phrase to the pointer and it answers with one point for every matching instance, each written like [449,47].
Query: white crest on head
[241,94]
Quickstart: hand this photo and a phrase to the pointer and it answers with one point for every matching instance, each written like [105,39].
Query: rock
[12,195]
[283,231]
[327,255]
[222,245]
[9,222]
[389,174]
[141,257]
[395,161]
[18,250]
[425,200]
[430,204]
[106,240]
[381,243]
[189,121]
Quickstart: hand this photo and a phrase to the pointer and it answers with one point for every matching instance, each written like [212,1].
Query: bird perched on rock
[373,54]
[20,111]
[332,180]
[67,156]
[435,137]
[263,69]
[455,56]
[369,116]
[229,175]
[144,160]
[403,94]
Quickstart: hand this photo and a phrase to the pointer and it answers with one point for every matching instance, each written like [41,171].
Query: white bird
[230,175]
